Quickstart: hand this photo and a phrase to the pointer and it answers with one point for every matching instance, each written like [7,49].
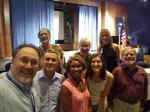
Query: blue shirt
[48,90]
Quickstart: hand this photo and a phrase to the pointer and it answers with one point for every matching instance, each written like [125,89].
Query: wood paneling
[5,38]
[113,10]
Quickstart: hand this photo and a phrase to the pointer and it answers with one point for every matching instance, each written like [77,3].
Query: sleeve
[112,92]
[145,91]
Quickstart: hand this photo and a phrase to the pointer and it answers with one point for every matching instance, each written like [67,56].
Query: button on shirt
[48,90]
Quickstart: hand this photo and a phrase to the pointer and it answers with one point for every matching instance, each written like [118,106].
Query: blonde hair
[44,29]
[107,32]
[85,40]
[127,48]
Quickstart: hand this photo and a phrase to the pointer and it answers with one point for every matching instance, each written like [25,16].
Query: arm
[65,96]
[105,92]
[108,84]
[117,50]
[90,105]
[144,94]
[113,90]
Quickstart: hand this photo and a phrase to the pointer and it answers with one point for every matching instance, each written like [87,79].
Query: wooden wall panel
[114,10]
[5,36]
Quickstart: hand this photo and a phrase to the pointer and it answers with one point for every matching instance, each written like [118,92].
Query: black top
[110,57]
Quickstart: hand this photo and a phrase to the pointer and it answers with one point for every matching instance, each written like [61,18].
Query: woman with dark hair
[99,82]
[74,93]
[109,50]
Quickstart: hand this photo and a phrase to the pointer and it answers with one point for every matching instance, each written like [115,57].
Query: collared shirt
[48,90]
[26,89]
[129,85]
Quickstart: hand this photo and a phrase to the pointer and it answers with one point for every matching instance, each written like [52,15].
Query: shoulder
[3,75]
[56,46]
[6,86]
[117,70]
[77,53]
[109,75]
[115,46]
[67,83]
[142,71]
[38,75]
[59,76]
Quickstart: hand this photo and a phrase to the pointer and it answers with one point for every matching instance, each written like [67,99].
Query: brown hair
[77,58]
[90,72]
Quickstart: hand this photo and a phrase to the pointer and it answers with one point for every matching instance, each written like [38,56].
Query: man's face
[50,62]
[25,65]
[129,57]
[84,48]
[44,36]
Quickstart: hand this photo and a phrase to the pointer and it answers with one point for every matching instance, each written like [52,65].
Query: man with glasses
[16,92]
[129,89]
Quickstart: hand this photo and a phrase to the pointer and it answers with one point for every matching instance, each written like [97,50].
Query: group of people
[95,82]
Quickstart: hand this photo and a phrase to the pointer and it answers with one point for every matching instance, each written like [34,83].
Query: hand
[141,109]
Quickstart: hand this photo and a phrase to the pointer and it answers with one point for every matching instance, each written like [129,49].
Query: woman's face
[104,38]
[96,64]
[44,36]
[84,47]
[76,69]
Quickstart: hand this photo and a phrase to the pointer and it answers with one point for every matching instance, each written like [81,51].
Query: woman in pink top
[75,96]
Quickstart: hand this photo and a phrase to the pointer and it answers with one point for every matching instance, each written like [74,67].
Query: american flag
[123,35]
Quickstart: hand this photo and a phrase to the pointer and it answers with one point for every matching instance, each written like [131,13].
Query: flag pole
[119,37]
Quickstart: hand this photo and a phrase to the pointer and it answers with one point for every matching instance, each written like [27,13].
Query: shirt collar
[24,88]
[42,75]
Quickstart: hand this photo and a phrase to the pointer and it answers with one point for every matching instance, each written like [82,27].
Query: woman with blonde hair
[109,50]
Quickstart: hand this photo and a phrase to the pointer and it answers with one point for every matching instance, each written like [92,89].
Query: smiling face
[84,46]
[96,64]
[50,62]
[129,56]
[105,37]
[76,69]
[44,36]
[24,65]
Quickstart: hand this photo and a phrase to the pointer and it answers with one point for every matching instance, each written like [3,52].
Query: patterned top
[80,100]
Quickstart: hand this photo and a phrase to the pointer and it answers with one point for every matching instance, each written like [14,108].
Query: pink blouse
[80,100]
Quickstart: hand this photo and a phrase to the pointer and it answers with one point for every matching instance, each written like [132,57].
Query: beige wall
[110,12]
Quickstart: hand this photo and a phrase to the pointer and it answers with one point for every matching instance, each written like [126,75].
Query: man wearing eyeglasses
[16,92]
